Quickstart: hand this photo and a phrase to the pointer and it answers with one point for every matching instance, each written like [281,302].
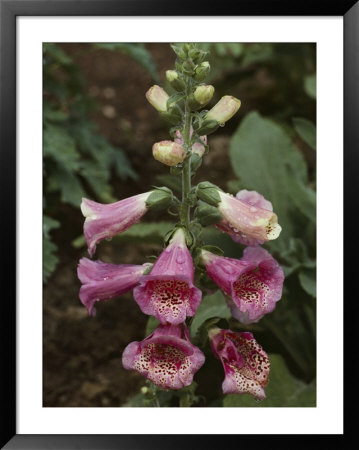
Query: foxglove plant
[167,288]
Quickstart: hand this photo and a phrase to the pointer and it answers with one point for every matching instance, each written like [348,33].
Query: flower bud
[159,199]
[207,215]
[202,71]
[168,152]
[224,109]
[175,81]
[209,193]
[203,94]
[158,98]
[207,127]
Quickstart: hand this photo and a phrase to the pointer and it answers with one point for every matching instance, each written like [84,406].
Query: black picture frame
[9,11]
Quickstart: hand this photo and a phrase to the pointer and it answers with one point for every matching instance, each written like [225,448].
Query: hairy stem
[186,173]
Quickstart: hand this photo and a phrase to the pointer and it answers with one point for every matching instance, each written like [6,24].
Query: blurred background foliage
[98,133]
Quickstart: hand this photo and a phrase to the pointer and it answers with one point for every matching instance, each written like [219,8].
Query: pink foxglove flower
[253,284]
[166,357]
[102,281]
[105,221]
[168,292]
[251,224]
[197,147]
[246,365]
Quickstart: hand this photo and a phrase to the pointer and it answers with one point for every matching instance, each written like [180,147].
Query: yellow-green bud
[174,79]
[224,110]
[168,152]
[203,94]
[158,98]
[202,71]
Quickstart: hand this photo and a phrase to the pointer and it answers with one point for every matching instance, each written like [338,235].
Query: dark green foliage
[78,161]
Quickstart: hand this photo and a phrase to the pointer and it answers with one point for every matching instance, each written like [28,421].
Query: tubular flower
[224,110]
[105,221]
[166,357]
[253,284]
[167,292]
[251,224]
[158,98]
[246,365]
[197,147]
[168,152]
[101,281]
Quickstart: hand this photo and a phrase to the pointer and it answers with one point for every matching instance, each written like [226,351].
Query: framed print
[173,265]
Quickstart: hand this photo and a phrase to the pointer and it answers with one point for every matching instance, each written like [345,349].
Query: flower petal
[102,281]
[104,221]
[166,357]
[246,364]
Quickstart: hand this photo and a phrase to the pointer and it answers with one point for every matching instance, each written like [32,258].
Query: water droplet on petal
[228,269]
[105,278]
[180,259]
[252,209]
[109,239]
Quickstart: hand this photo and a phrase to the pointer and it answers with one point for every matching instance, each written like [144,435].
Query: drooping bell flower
[254,200]
[224,110]
[102,281]
[252,224]
[253,284]
[105,221]
[246,365]
[158,98]
[168,152]
[197,147]
[166,357]
[168,292]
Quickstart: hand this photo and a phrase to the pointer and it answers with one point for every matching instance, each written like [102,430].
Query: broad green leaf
[152,232]
[265,160]
[282,390]
[307,278]
[61,147]
[306,130]
[211,306]
[310,85]
[137,52]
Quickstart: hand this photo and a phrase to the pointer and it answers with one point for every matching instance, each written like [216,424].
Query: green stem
[186,173]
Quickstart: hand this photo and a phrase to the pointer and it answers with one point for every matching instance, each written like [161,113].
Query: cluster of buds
[166,289]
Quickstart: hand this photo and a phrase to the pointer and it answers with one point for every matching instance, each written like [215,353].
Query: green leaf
[68,184]
[98,179]
[310,85]
[170,181]
[306,130]
[265,160]
[282,390]
[123,166]
[50,259]
[152,324]
[61,147]
[307,278]
[137,52]
[211,306]
[150,232]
